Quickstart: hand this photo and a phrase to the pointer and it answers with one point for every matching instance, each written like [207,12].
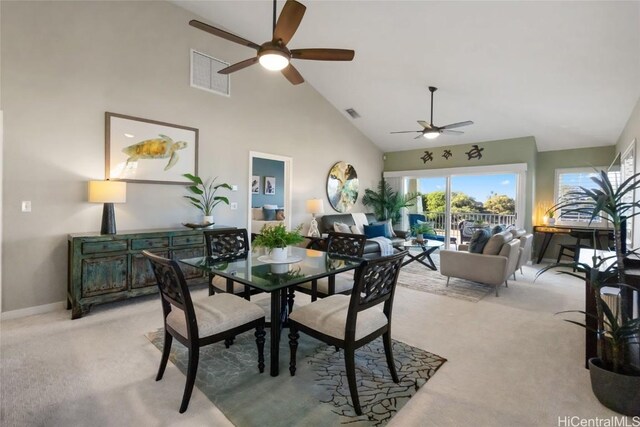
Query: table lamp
[314,206]
[108,192]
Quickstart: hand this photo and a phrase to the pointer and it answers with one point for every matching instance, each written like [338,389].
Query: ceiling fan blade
[292,74]
[222,33]
[457,125]
[323,54]
[419,136]
[288,21]
[238,66]
[407,131]
[451,132]
[424,124]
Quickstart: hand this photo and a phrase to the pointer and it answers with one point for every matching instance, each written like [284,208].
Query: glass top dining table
[257,270]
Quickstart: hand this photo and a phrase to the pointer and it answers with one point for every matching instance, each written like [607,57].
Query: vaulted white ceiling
[567,73]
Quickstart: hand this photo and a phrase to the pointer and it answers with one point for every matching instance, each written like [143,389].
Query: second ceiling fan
[431,131]
[274,54]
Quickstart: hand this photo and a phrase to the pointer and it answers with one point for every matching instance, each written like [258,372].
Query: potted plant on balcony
[276,239]
[205,198]
[615,379]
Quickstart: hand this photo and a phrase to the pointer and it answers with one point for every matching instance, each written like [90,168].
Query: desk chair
[573,250]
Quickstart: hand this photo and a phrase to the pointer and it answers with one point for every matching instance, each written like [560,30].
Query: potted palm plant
[205,198]
[615,377]
[276,239]
[386,202]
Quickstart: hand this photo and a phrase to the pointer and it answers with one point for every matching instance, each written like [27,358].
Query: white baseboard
[30,311]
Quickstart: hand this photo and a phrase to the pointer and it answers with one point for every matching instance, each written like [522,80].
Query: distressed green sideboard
[106,268]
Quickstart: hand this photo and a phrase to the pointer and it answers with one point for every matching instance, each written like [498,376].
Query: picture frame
[255,184]
[149,151]
[342,187]
[270,185]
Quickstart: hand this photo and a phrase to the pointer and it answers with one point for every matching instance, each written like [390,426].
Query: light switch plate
[233,206]
[26,206]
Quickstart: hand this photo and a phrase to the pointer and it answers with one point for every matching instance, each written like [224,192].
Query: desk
[275,279]
[550,231]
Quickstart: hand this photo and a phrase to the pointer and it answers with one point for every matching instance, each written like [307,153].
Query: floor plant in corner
[615,373]
[386,202]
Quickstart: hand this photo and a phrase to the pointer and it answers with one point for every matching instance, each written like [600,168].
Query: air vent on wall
[204,73]
[353,113]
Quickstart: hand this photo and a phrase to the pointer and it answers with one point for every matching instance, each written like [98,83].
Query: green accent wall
[501,152]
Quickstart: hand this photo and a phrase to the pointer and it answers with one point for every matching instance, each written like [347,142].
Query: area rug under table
[317,395]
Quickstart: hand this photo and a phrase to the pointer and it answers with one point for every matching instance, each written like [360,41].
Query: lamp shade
[107,192]
[315,206]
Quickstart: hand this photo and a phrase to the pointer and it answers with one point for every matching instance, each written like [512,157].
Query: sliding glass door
[458,201]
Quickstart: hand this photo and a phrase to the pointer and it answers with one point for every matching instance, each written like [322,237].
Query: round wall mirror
[342,187]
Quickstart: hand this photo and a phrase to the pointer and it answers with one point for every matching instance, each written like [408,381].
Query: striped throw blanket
[386,248]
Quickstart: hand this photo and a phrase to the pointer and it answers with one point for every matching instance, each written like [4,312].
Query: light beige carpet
[416,276]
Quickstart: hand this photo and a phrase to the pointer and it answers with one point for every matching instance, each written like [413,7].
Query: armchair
[483,267]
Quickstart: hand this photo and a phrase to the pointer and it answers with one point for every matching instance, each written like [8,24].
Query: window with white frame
[570,180]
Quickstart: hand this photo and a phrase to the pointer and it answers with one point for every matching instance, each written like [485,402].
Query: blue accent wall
[267,167]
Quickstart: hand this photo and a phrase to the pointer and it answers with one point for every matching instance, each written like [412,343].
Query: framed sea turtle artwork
[342,187]
[143,150]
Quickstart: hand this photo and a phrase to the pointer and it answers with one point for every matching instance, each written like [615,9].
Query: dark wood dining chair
[340,244]
[202,322]
[349,322]
[225,243]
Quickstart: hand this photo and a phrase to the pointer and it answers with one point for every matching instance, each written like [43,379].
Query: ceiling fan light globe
[273,61]
[431,134]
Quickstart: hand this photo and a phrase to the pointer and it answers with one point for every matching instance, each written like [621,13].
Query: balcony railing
[489,219]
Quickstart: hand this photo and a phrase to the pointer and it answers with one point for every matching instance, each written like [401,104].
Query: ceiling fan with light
[431,131]
[274,54]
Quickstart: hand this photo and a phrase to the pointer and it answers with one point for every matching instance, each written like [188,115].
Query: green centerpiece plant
[204,195]
[615,374]
[276,238]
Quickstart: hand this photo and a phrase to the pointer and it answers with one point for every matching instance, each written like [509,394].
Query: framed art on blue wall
[255,184]
[270,185]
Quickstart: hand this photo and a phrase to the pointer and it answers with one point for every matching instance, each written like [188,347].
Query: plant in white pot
[615,376]
[276,239]
[205,198]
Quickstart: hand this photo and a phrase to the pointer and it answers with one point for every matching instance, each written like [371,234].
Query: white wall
[65,63]
[631,131]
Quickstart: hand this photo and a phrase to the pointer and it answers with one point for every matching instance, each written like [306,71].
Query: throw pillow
[498,229]
[478,241]
[372,231]
[269,214]
[341,227]
[280,215]
[388,228]
[518,232]
[355,230]
[494,245]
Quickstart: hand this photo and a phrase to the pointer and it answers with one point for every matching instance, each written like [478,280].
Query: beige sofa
[258,221]
[492,267]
